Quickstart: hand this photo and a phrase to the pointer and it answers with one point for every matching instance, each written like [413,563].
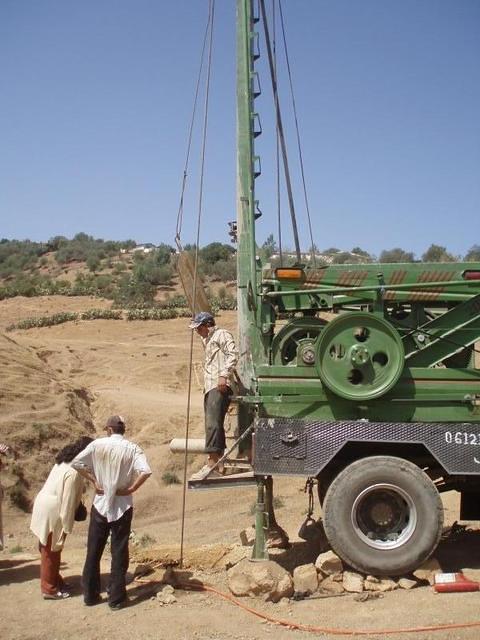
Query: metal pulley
[295,343]
[359,356]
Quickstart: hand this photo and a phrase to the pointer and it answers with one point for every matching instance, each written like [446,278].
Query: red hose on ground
[312,628]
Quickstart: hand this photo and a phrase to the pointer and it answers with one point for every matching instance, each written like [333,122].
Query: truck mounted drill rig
[378,399]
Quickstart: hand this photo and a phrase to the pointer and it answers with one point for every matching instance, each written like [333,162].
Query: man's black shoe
[117,605]
[92,602]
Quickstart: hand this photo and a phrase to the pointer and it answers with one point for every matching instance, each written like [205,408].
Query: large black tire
[383,515]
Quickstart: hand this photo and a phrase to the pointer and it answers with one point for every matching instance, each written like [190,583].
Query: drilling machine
[379,399]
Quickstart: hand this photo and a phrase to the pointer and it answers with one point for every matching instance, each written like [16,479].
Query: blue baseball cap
[201,318]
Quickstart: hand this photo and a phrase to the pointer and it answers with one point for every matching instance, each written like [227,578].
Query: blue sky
[96,98]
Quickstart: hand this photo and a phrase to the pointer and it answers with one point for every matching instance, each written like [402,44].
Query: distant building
[304,257]
[348,257]
[147,247]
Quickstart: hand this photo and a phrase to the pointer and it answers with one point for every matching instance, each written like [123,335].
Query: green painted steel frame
[438,301]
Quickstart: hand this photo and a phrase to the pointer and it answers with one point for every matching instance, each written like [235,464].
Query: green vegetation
[172,308]
[19,491]
[45,321]
[170,477]
[85,248]
[132,276]
[19,255]
[101,314]
[146,540]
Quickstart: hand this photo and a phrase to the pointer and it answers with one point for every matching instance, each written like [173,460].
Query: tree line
[130,277]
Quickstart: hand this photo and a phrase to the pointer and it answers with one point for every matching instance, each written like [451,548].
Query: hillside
[58,381]
[128,274]
[69,376]
[40,411]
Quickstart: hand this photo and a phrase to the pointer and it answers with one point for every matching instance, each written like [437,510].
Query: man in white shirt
[221,356]
[116,468]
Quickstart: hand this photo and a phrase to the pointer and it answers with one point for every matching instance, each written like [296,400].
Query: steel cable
[211,15]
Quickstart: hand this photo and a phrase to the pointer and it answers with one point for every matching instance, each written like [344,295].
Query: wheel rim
[384,516]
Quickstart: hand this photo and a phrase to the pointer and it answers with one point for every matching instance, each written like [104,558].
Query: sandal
[60,595]
[206,472]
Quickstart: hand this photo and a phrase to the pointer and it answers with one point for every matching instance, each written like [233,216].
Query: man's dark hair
[118,428]
[68,453]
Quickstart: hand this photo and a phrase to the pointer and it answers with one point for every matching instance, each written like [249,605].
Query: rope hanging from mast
[208,37]
[178,230]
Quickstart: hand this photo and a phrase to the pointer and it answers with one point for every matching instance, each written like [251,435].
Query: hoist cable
[277,140]
[280,131]
[300,154]
[190,136]
[211,15]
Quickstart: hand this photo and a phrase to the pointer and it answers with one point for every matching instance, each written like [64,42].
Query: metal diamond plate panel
[300,447]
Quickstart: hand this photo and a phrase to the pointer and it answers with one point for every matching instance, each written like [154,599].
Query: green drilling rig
[379,398]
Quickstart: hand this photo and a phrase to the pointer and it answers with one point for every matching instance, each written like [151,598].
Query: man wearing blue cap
[221,356]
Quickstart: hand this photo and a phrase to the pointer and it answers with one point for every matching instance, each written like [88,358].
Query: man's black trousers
[98,531]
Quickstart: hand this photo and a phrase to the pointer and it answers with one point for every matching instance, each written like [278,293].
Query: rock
[331,585]
[305,578]
[372,583]
[353,582]
[166,599]
[406,583]
[248,578]
[247,537]
[329,563]
[428,570]
[165,596]
[168,589]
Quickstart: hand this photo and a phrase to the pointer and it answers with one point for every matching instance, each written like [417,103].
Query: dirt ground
[140,370]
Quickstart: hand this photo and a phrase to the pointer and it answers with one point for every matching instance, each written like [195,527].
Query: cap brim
[194,325]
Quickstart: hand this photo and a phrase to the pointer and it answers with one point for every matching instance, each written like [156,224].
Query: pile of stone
[326,576]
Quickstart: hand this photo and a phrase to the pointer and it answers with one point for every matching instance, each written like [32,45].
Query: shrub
[146,540]
[119,267]
[101,314]
[43,431]
[93,263]
[170,477]
[19,497]
[216,251]
[45,321]
[224,270]
[132,291]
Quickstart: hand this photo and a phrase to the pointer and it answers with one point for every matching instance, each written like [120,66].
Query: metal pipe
[353,290]
[192,445]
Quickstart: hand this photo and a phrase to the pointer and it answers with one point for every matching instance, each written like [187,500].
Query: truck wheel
[383,515]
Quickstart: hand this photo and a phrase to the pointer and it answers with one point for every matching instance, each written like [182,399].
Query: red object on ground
[454,582]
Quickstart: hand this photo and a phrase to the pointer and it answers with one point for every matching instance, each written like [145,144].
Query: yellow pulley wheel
[360,356]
